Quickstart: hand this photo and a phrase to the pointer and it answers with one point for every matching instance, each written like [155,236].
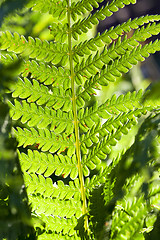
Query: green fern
[63,143]
[15,213]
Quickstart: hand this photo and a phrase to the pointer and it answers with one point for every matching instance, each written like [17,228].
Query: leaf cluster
[65,142]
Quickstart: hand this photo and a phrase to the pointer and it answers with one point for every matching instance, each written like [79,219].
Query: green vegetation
[78,184]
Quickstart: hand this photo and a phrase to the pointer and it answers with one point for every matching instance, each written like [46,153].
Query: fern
[15,214]
[64,143]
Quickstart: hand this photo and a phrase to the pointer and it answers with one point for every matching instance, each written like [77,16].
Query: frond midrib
[77,143]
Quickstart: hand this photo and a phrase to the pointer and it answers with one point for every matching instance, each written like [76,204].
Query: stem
[78,152]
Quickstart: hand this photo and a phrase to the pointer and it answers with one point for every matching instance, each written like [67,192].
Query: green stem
[78,152]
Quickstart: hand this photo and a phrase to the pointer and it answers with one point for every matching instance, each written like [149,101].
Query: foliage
[15,220]
[65,137]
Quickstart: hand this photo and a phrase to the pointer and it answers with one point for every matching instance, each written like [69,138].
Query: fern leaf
[102,178]
[63,226]
[58,208]
[42,72]
[59,31]
[42,117]
[82,7]
[120,125]
[108,36]
[85,93]
[111,107]
[40,185]
[129,216]
[35,92]
[138,54]
[93,65]
[126,62]
[46,140]
[7,59]
[47,164]
[46,74]
[55,8]
[82,26]
[49,52]
[64,139]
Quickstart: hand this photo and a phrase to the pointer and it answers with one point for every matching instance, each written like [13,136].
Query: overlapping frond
[57,207]
[82,26]
[85,93]
[43,72]
[46,74]
[7,59]
[129,219]
[111,107]
[107,37]
[127,61]
[96,144]
[59,31]
[117,52]
[55,224]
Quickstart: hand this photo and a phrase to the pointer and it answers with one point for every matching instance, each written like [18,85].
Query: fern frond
[59,31]
[82,26]
[57,207]
[7,59]
[42,117]
[41,71]
[65,139]
[131,58]
[47,164]
[81,7]
[101,140]
[130,215]
[49,52]
[107,37]
[96,180]
[38,184]
[56,8]
[102,177]
[126,62]
[47,74]
[34,92]
[111,107]
[93,64]
[63,226]
[46,140]
[85,93]
[120,122]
